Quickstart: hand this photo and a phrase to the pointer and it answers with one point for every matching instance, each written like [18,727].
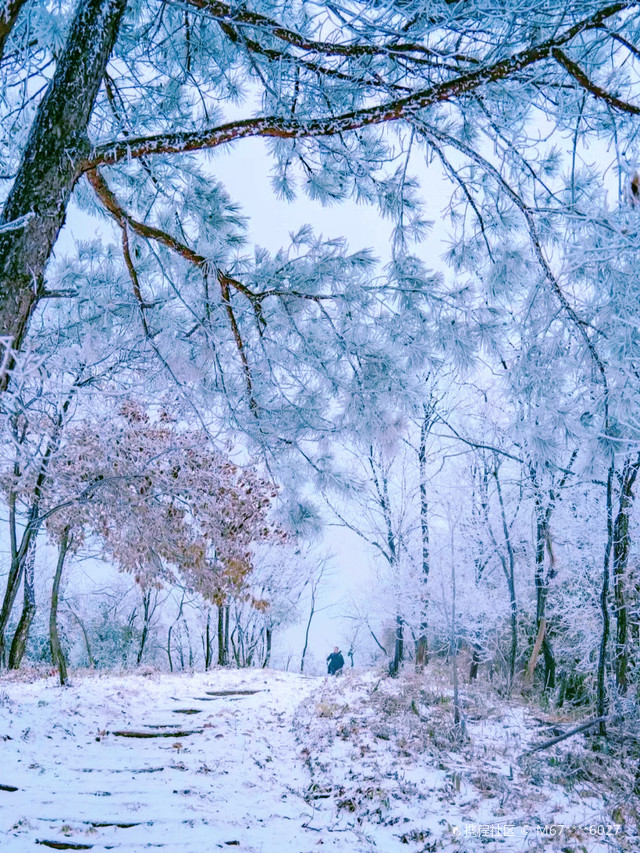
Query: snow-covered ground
[292,764]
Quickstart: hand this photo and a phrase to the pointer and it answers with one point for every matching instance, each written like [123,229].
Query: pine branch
[287,128]
[226,15]
[8,16]
[578,74]
[124,220]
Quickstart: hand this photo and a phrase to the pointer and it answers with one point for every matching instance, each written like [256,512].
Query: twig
[566,735]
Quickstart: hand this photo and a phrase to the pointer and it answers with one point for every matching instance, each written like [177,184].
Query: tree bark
[21,636]
[542,589]
[621,547]
[458,719]
[398,646]
[509,572]
[16,570]
[57,144]
[267,651]
[226,633]
[147,613]
[421,643]
[542,580]
[57,655]
[604,608]
[475,663]
[537,646]
[170,632]
[312,610]
[222,648]
[208,650]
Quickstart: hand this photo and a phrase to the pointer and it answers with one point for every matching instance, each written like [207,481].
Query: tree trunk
[21,636]
[542,580]
[542,589]
[57,655]
[147,613]
[19,557]
[208,649]
[604,607]
[13,585]
[85,635]
[621,547]
[458,718]
[226,633]
[312,610]
[170,632]
[267,650]
[475,663]
[186,630]
[421,643]
[222,647]
[509,572]
[56,146]
[537,646]
[398,649]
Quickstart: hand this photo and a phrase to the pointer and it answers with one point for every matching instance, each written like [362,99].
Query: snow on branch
[16,224]
[578,74]
[286,128]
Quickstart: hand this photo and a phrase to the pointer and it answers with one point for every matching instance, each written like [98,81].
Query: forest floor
[272,762]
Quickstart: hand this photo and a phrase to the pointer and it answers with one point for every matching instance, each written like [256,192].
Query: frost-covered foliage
[473,418]
[502,100]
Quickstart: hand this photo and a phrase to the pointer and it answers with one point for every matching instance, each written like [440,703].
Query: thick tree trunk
[57,655]
[56,146]
[21,636]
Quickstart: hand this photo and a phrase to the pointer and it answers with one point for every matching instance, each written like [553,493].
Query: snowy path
[270,762]
[237,783]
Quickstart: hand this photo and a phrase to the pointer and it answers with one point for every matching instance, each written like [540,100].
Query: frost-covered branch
[578,74]
[395,110]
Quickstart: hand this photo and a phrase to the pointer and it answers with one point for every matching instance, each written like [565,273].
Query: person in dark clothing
[335,661]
